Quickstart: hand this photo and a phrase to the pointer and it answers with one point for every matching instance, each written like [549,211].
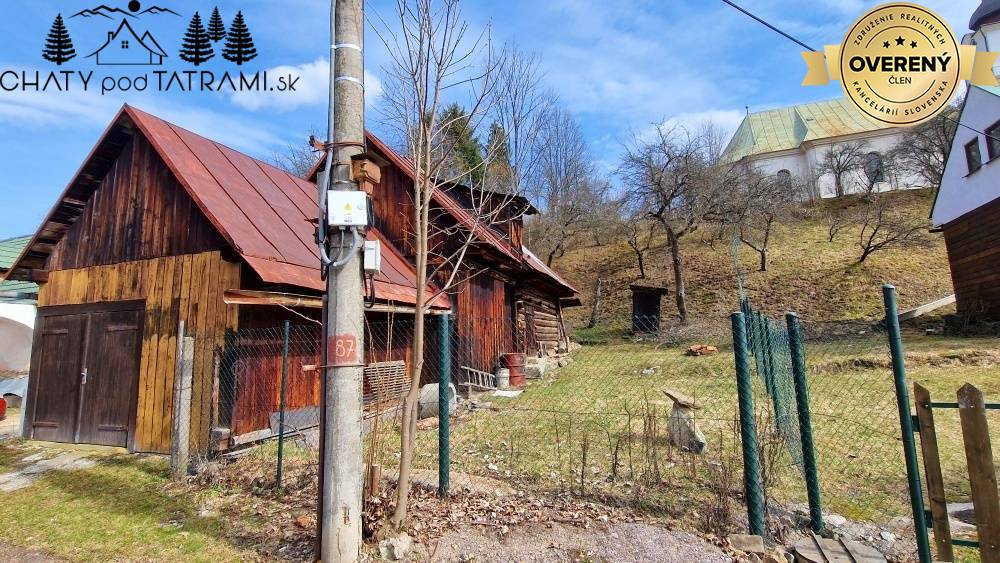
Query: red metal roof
[540,267]
[447,202]
[465,217]
[263,212]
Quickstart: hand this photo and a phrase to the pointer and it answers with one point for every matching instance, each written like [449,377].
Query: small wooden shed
[646,307]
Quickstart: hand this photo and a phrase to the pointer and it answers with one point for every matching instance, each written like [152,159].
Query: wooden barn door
[56,365]
[85,373]
[107,412]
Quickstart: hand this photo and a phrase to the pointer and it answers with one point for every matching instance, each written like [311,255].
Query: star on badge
[913,44]
[900,40]
[886,44]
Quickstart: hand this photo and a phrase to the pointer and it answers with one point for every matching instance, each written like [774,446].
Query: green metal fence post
[906,422]
[797,353]
[281,403]
[748,429]
[444,386]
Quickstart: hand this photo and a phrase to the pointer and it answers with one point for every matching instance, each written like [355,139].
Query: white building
[794,140]
[17,311]
[967,205]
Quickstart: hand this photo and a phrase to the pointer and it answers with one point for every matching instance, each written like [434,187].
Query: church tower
[985,26]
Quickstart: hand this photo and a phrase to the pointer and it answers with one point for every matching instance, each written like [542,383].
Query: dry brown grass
[818,279]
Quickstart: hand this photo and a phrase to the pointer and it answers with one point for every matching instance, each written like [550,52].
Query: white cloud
[312,88]
[57,112]
[47,108]
[249,135]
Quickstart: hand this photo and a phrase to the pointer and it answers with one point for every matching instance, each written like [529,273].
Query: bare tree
[297,159]
[756,202]
[638,232]
[923,149]
[672,178]
[434,58]
[565,185]
[842,161]
[884,227]
[835,221]
[595,307]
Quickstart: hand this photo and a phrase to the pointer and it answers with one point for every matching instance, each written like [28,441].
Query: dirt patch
[555,542]
[22,555]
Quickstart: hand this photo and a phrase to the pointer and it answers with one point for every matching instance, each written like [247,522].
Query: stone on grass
[535,368]
[776,555]
[682,425]
[747,543]
[428,401]
[395,548]
[835,520]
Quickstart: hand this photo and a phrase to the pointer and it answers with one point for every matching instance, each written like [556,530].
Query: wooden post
[982,473]
[183,374]
[932,472]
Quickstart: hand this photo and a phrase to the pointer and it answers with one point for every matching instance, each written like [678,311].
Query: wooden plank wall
[188,287]
[392,206]
[484,321]
[973,242]
[138,211]
[256,359]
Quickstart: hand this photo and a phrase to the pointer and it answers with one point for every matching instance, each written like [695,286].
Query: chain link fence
[644,416]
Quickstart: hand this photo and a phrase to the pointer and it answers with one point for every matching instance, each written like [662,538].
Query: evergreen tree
[216,28]
[466,158]
[500,172]
[239,43]
[197,47]
[58,46]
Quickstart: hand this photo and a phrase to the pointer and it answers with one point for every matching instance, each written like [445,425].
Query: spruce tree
[216,28]
[58,46]
[197,47]
[500,171]
[239,43]
[466,157]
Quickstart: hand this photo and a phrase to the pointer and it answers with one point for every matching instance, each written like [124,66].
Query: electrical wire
[772,27]
[796,41]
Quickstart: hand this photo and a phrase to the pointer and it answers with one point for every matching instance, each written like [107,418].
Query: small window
[874,168]
[972,155]
[993,140]
[784,178]
[124,44]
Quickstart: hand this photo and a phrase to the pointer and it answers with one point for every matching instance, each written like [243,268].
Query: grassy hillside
[819,279]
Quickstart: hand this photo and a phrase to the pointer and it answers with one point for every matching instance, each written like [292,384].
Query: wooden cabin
[160,225]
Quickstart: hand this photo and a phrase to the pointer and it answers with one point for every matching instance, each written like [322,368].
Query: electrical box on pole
[373,256]
[347,208]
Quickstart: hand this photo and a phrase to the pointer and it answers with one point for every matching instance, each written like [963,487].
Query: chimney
[111,35]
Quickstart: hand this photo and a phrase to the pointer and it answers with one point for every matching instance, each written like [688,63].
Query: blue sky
[620,67]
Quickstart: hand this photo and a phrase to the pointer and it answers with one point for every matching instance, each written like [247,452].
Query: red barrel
[515,363]
[3,408]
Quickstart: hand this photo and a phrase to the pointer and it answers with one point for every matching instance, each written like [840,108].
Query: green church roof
[10,249]
[787,128]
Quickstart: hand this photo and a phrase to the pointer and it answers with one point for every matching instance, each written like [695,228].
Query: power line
[773,28]
[790,38]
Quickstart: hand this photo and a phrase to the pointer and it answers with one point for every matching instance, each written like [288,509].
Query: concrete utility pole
[341,472]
